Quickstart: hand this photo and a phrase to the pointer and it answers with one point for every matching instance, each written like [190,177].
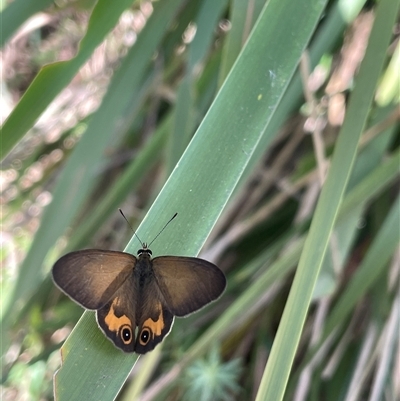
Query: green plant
[197,107]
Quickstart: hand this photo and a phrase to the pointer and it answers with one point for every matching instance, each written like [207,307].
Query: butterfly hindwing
[153,329]
[117,319]
[187,284]
[154,320]
[137,309]
[91,277]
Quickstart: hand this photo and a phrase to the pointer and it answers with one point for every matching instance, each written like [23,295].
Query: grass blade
[283,351]
[203,180]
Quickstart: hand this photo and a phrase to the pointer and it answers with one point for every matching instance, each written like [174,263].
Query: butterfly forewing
[91,277]
[187,284]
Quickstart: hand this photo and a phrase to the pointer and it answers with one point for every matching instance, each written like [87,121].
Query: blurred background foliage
[100,101]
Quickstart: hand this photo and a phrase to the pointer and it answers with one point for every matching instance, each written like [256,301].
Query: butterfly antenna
[129,224]
[169,221]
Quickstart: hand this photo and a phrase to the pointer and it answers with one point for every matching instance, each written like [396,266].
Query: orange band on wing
[156,326]
[113,322]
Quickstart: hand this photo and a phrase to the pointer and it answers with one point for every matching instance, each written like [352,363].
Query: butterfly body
[136,298]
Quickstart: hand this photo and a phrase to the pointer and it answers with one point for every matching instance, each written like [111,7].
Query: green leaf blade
[206,175]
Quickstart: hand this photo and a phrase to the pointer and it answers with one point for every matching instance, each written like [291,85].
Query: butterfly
[137,298]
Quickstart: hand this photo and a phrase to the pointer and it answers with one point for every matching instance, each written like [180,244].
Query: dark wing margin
[91,277]
[187,284]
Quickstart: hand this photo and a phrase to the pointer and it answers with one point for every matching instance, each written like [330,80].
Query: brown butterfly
[129,292]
